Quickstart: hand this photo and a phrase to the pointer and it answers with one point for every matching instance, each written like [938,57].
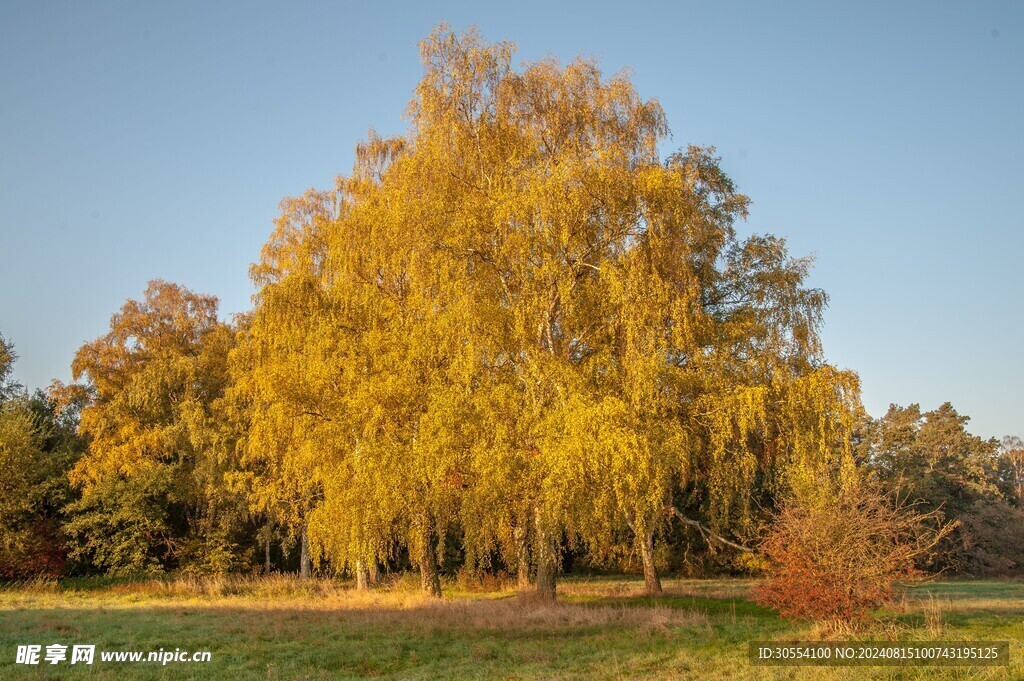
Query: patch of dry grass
[392,604]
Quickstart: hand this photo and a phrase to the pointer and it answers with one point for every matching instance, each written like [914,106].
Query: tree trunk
[651,580]
[266,551]
[305,567]
[374,572]
[547,564]
[522,559]
[362,576]
[430,579]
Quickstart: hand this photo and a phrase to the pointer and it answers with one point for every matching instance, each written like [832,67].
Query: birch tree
[519,321]
[152,485]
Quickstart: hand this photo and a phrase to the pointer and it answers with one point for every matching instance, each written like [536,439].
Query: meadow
[279,627]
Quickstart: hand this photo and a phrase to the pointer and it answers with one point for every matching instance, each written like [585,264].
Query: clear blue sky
[143,140]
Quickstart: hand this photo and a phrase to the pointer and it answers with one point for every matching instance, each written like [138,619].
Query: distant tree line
[513,339]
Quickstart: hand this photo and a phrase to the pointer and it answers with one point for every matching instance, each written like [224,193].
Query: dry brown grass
[395,604]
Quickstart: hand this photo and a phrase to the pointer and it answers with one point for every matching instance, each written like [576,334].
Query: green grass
[280,628]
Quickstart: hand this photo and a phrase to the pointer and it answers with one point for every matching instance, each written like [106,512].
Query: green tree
[8,388]
[38,445]
[21,457]
[931,458]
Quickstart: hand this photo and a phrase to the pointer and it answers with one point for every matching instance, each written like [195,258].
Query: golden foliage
[519,320]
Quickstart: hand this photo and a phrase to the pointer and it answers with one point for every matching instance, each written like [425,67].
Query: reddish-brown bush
[838,557]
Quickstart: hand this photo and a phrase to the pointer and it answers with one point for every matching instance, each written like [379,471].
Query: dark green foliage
[930,459]
[992,539]
[38,445]
[123,526]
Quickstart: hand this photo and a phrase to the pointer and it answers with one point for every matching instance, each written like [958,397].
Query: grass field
[280,628]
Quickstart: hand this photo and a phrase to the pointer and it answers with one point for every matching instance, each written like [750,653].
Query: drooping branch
[707,531]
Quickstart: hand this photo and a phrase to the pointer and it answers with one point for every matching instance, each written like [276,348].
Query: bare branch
[707,531]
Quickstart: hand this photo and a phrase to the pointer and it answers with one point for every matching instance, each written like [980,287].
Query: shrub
[839,556]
